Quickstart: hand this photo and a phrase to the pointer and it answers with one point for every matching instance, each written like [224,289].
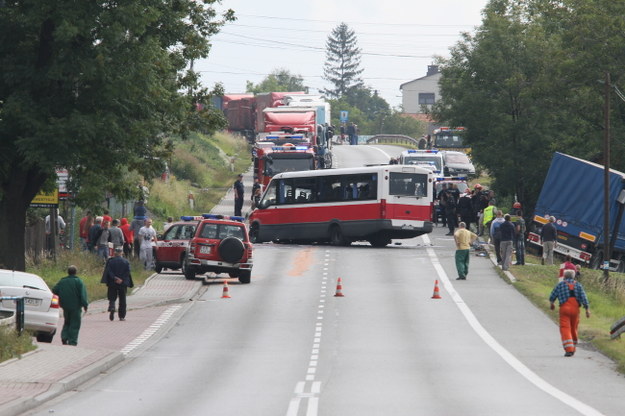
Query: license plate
[32,301]
[205,250]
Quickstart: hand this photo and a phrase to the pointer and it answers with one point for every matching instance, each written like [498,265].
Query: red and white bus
[374,204]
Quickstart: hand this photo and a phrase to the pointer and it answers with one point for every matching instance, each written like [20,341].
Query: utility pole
[606,180]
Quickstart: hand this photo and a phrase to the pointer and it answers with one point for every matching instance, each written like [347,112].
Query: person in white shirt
[147,238]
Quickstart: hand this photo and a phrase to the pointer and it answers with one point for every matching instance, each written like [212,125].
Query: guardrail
[393,139]
[19,311]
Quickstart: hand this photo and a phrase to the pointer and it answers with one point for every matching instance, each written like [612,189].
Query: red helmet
[516,205]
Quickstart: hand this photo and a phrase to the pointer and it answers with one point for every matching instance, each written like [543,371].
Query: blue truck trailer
[573,193]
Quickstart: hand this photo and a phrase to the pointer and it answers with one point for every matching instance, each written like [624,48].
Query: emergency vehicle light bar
[421,151]
[290,148]
[222,217]
[191,218]
[451,178]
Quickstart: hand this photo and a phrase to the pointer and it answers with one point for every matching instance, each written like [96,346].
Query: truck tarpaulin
[573,193]
[278,120]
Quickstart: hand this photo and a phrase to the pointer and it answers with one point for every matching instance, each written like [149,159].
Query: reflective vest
[489,214]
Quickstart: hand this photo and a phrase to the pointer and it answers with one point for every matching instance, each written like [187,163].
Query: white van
[457,164]
[431,159]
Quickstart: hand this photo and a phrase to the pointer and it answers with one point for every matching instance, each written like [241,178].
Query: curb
[24,404]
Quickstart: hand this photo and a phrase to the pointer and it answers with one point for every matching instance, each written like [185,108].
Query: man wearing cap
[238,195]
[118,279]
[548,235]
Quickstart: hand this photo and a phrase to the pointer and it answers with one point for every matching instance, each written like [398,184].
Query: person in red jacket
[129,236]
[83,229]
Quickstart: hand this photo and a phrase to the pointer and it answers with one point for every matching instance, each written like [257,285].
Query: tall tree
[93,87]
[498,84]
[342,67]
[529,83]
[278,80]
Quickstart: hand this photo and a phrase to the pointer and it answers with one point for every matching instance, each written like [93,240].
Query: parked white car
[41,306]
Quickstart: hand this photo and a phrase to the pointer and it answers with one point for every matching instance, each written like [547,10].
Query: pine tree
[342,67]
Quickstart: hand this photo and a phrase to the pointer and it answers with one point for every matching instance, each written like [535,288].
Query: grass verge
[12,345]
[607,302]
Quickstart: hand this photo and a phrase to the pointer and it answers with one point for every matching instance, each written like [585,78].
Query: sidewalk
[53,369]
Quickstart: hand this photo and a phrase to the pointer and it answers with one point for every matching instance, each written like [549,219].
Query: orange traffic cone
[225,293]
[339,288]
[436,294]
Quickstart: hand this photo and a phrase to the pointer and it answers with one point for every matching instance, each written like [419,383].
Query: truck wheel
[231,249]
[245,276]
[158,267]
[597,260]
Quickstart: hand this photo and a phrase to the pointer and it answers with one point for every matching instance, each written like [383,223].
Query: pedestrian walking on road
[118,279]
[72,298]
[571,296]
[548,235]
[238,195]
[464,239]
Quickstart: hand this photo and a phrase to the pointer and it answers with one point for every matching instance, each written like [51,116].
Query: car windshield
[459,158]
[221,231]
[22,280]
[423,160]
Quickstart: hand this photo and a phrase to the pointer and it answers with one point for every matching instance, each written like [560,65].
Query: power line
[352,23]
[359,33]
[317,48]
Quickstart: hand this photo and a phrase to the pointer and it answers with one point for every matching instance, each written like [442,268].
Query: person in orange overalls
[571,296]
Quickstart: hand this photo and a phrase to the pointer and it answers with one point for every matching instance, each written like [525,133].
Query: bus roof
[347,171]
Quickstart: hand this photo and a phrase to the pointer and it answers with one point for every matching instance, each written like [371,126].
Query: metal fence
[392,139]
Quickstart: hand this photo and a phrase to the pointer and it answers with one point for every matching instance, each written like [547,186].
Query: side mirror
[263,204]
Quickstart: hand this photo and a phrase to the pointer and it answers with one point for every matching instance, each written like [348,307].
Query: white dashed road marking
[151,330]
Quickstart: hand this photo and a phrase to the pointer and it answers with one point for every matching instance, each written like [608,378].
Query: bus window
[304,190]
[270,196]
[408,184]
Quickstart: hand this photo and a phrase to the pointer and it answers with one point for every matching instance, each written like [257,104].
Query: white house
[421,92]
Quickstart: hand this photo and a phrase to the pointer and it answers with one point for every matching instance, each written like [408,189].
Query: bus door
[408,195]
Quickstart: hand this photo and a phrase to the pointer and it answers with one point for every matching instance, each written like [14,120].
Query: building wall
[411,90]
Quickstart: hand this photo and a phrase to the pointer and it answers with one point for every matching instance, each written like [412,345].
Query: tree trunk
[18,190]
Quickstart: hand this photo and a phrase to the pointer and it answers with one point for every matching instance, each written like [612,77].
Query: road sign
[344,116]
[46,199]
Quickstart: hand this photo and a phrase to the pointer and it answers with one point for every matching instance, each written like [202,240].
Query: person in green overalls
[72,298]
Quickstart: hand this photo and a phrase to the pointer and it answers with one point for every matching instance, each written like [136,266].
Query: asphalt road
[285,345]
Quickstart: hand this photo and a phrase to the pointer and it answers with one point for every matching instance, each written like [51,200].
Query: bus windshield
[408,184]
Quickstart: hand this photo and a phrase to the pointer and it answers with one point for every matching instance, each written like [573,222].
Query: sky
[398,40]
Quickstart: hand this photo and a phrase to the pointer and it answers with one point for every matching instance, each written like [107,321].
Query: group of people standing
[470,207]
[103,235]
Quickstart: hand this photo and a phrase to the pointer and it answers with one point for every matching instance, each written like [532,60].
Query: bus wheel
[380,242]
[254,234]
[336,236]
